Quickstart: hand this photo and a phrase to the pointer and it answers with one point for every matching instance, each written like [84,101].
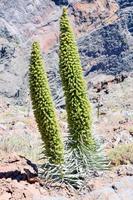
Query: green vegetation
[82,154]
[43,108]
[77,104]
[122,154]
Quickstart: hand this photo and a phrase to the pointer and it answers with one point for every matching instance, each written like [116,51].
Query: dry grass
[122,154]
[130,129]
[24,144]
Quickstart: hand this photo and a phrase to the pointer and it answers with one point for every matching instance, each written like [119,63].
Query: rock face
[62,2]
[126,13]
[104,30]
[18,168]
[107,50]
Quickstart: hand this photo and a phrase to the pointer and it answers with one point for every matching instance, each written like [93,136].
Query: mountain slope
[103,29]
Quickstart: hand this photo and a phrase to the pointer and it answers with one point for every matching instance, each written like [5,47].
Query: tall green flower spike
[77,104]
[43,108]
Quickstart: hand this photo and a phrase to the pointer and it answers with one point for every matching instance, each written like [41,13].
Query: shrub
[43,107]
[122,154]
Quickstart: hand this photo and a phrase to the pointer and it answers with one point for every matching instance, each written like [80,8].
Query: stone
[19,125]
[5,196]
[106,193]
[20,168]
[124,183]
[125,170]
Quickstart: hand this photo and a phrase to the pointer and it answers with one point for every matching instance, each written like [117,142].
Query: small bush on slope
[122,154]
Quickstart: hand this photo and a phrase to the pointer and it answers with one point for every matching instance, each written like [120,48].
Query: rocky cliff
[104,31]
